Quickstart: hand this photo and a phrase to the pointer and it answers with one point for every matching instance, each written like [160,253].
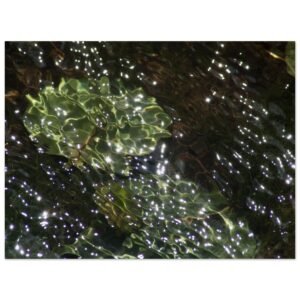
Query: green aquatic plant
[173,219]
[290,58]
[158,216]
[119,206]
[85,122]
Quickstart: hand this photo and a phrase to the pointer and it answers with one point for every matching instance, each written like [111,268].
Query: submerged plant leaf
[87,244]
[290,58]
[85,122]
[118,204]
[174,219]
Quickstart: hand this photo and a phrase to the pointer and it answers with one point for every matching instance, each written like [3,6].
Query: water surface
[232,107]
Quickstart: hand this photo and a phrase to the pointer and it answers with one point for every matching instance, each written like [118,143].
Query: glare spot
[108,159]
[119,148]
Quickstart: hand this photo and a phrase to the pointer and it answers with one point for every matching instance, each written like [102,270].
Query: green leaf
[290,58]
[84,122]
[174,219]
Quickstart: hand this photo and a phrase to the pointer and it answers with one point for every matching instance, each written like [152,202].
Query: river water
[232,106]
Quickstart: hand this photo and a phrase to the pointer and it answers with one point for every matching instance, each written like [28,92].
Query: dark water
[232,106]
